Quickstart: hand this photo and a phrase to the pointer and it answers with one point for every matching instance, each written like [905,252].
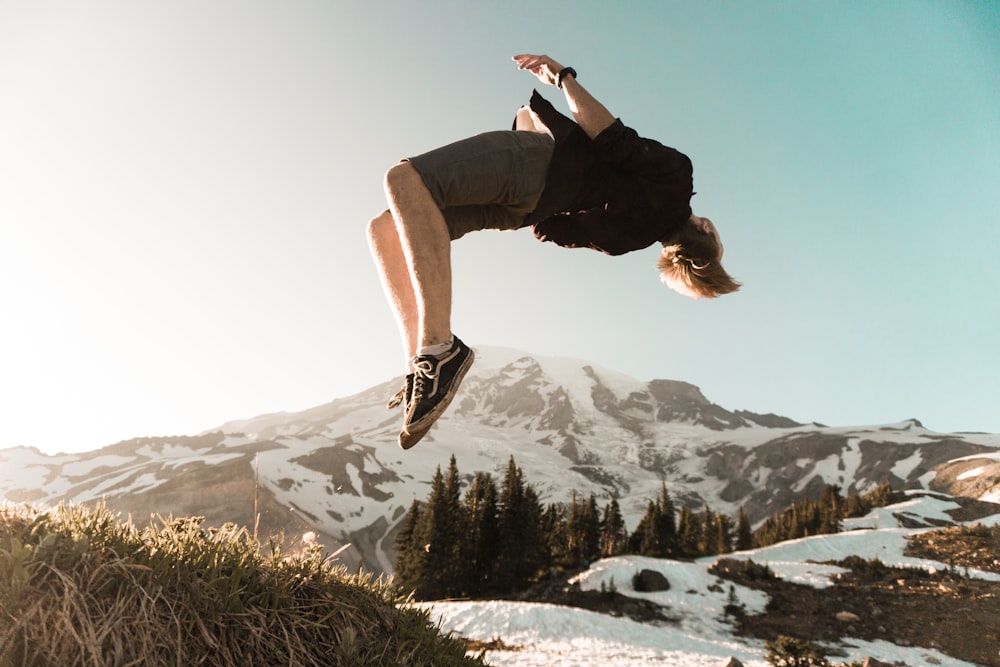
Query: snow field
[550,635]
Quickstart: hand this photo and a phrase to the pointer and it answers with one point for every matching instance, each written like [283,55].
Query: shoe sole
[414,433]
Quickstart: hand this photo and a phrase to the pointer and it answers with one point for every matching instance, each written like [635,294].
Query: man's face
[706,227]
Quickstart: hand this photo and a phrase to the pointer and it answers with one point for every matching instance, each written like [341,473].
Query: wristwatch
[562,74]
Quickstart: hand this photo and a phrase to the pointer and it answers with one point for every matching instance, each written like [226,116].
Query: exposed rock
[650,581]
[335,469]
[847,617]
[873,662]
[684,402]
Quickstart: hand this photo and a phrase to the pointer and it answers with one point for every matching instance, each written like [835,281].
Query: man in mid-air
[586,182]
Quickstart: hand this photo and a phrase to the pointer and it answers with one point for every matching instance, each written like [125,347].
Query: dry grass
[78,587]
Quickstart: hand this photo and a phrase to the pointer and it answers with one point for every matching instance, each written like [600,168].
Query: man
[589,182]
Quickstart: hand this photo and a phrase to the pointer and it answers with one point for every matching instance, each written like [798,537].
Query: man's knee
[401,177]
[381,225]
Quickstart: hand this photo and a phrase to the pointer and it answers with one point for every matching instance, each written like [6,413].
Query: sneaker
[435,383]
[402,397]
[409,438]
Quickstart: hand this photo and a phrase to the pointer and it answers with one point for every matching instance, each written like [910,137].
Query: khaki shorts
[490,181]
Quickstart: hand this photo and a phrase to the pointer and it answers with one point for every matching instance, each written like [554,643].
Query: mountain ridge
[335,469]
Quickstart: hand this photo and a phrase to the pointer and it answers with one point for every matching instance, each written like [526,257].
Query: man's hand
[545,68]
[592,116]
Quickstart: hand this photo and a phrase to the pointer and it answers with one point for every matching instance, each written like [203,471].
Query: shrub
[788,651]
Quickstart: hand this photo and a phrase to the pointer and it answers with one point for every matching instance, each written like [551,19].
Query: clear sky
[184,188]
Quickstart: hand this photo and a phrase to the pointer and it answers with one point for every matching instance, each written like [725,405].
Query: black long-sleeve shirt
[615,193]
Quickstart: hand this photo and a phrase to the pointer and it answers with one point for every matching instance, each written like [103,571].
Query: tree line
[498,538]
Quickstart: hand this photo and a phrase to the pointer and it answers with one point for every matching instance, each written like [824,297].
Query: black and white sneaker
[435,383]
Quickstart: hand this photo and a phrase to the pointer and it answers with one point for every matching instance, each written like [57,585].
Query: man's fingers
[528,61]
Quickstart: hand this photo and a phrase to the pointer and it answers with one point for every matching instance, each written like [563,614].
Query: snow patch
[554,635]
[975,472]
[84,467]
[904,467]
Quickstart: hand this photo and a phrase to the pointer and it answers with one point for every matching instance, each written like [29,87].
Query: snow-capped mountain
[335,469]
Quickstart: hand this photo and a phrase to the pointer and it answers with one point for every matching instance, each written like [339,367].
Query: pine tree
[723,534]
[574,531]
[665,523]
[689,532]
[452,533]
[523,548]
[482,542]
[428,555]
[709,533]
[555,526]
[408,550]
[657,532]
[591,525]
[614,535]
[441,528]
[830,510]
[537,559]
[643,540]
[744,534]
[854,506]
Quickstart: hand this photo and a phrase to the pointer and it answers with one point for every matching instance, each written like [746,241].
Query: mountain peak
[571,426]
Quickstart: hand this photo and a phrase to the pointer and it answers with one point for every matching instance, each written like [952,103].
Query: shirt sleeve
[622,146]
[598,229]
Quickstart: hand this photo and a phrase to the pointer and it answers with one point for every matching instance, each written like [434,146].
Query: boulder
[650,581]
[847,617]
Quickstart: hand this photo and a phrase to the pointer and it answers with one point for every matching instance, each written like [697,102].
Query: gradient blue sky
[184,188]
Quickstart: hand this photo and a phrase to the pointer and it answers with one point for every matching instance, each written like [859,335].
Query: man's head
[691,261]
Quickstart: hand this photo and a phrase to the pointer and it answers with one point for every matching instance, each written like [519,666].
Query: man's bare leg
[414,258]
[387,250]
[426,247]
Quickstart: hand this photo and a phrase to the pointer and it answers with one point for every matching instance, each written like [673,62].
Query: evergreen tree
[881,496]
[574,531]
[428,554]
[523,548]
[643,540]
[408,550]
[723,534]
[614,535]
[592,533]
[537,559]
[709,534]
[555,526]
[452,530]
[854,506]
[830,510]
[689,531]
[656,534]
[665,524]
[441,528]
[482,542]
[584,531]
[744,533]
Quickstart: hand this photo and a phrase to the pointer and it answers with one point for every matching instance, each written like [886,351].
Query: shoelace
[402,396]
[397,398]
[424,370]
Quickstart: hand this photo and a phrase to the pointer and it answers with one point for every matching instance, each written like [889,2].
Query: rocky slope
[335,469]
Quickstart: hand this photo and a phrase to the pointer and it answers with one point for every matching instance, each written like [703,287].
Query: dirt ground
[959,618]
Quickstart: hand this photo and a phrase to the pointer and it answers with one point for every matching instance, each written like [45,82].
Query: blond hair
[689,264]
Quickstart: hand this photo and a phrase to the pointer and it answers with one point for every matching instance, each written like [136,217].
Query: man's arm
[591,115]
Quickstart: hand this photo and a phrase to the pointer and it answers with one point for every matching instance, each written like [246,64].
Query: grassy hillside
[80,587]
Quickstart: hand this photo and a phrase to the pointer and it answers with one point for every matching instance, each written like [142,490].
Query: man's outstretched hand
[545,68]
[592,116]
